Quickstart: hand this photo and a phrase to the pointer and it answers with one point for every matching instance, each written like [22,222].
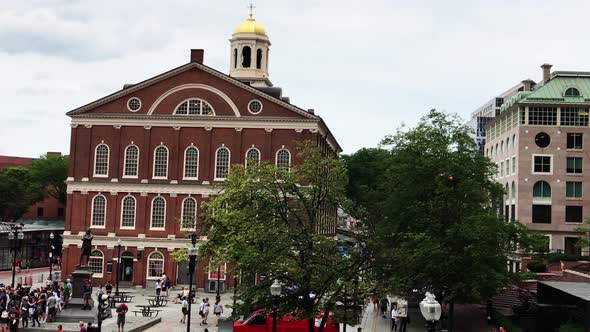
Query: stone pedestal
[74,313]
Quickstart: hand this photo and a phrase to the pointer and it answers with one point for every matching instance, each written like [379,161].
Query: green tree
[51,172]
[435,227]
[584,242]
[269,222]
[18,191]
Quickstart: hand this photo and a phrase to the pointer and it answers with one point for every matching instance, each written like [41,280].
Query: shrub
[536,266]
[521,276]
[557,257]
[571,328]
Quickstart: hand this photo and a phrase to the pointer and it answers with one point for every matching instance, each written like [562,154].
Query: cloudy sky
[367,67]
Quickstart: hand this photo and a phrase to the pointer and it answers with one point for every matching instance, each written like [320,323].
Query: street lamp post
[192,253]
[15,233]
[118,266]
[51,237]
[218,297]
[431,311]
[275,291]
[233,309]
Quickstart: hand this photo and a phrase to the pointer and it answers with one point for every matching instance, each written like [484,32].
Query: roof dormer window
[572,92]
[194,106]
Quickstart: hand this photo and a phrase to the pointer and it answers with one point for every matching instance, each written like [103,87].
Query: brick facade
[109,121]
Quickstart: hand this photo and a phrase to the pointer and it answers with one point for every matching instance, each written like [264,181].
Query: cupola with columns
[249,53]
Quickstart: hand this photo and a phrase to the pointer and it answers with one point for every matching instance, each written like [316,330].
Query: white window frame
[134,212]
[183,229]
[152,214]
[216,178]
[209,276]
[541,200]
[167,163]
[202,101]
[507,166]
[246,156]
[148,265]
[125,163]
[108,160]
[533,164]
[97,275]
[184,177]
[277,157]
[92,212]
[574,198]
[514,168]
[550,236]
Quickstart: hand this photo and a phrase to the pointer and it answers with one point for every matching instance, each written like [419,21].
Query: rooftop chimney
[197,55]
[546,72]
[528,84]
[311,111]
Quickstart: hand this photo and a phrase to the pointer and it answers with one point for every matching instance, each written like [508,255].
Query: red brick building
[143,159]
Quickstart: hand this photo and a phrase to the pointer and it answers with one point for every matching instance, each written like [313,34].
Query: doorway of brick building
[127,269]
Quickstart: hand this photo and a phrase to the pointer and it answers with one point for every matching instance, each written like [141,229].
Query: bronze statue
[86,247]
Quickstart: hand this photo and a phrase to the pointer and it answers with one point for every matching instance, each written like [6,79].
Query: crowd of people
[27,306]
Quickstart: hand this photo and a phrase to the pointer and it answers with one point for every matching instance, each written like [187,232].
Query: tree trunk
[451,315]
[324,320]
[310,325]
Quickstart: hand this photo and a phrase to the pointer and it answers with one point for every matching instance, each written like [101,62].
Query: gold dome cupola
[249,53]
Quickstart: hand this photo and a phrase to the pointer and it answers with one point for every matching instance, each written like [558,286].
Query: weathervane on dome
[251,7]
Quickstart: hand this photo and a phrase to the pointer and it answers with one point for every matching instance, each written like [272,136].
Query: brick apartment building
[540,142]
[143,159]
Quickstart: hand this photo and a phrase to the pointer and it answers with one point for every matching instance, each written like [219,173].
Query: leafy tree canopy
[18,191]
[51,172]
[270,222]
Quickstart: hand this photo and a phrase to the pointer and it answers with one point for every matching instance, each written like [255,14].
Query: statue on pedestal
[86,247]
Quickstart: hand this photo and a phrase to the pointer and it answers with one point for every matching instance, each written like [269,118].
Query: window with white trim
[222,163]
[99,206]
[542,164]
[283,159]
[96,263]
[513,165]
[158,213]
[542,116]
[191,163]
[155,265]
[507,167]
[128,212]
[161,162]
[194,106]
[513,191]
[573,189]
[189,213]
[542,191]
[101,160]
[252,157]
[131,161]
[573,165]
[574,117]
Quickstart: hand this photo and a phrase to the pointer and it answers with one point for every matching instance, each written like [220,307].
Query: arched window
[158,213]
[283,159]
[496,149]
[96,263]
[572,92]
[507,191]
[235,58]
[131,161]
[246,57]
[502,147]
[189,214]
[99,207]
[514,141]
[491,152]
[542,190]
[252,157]
[161,162]
[513,191]
[507,144]
[258,58]
[155,265]
[221,163]
[194,106]
[191,163]
[101,161]
[128,212]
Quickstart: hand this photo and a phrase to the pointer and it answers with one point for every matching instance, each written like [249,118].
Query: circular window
[542,140]
[255,106]
[134,104]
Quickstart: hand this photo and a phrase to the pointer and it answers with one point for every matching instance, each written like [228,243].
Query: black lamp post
[275,291]
[51,237]
[218,297]
[16,232]
[192,253]
[233,309]
[118,266]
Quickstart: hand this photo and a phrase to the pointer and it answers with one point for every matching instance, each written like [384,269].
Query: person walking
[121,312]
[184,309]
[384,304]
[34,312]
[217,311]
[202,307]
[168,284]
[403,317]
[158,291]
[108,288]
[51,307]
[13,318]
[394,316]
